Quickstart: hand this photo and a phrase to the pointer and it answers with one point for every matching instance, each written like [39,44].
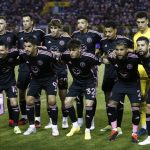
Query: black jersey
[108,45]
[89,40]
[41,65]
[38,34]
[9,38]
[57,44]
[127,68]
[81,68]
[7,66]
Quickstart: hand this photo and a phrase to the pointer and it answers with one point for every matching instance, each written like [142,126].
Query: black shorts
[49,85]
[132,90]
[88,89]
[62,81]
[108,84]
[23,80]
[10,89]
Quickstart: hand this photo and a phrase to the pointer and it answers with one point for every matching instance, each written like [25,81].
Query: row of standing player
[89,40]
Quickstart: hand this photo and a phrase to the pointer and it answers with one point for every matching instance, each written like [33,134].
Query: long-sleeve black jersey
[58,44]
[89,40]
[81,68]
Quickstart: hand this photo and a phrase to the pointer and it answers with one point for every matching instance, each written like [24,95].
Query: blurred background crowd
[98,12]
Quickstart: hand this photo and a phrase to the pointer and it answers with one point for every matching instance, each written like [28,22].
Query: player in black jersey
[90,40]
[57,41]
[108,44]
[7,80]
[126,66]
[144,53]
[9,38]
[43,76]
[80,65]
[24,73]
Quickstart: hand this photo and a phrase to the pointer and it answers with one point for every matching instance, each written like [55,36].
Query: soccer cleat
[22,121]
[11,123]
[134,138]
[113,135]
[55,131]
[145,142]
[87,135]
[142,131]
[107,128]
[37,124]
[29,131]
[65,124]
[17,130]
[48,126]
[119,131]
[73,131]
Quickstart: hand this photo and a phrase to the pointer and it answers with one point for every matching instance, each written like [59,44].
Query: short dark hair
[30,39]
[3,17]
[55,22]
[74,43]
[2,43]
[27,15]
[83,17]
[122,42]
[141,14]
[110,24]
[143,38]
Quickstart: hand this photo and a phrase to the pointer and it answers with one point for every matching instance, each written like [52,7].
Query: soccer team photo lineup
[51,52]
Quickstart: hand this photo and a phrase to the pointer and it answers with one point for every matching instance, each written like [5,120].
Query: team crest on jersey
[35,36]
[21,38]
[8,39]
[35,69]
[82,64]
[40,62]
[89,40]
[54,48]
[105,45]
[129,66]
[61,43]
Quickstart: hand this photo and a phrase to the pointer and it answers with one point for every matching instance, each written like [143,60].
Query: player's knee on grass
[69,102]
[148,108]
[30,100]
[51,100]
[112,103]
[13,102]
[89,103]
[62,94]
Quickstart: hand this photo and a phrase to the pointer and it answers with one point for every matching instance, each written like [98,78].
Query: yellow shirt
[136,36]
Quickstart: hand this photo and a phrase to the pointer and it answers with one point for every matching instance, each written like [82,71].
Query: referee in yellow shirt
[143,30]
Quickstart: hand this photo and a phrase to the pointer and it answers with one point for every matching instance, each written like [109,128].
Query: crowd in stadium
[99,11]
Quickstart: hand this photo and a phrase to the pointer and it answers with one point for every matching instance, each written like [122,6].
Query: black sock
[148,123]
[135,115]
[94,106]
[15,113]
[120,109]
[79,104]
[9,110]
[37,107]
[49,112]
[23,107]
[89,116]
[71,113]
[64,113]
[107,115]
[30,114]
[112,116]
[54,114]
